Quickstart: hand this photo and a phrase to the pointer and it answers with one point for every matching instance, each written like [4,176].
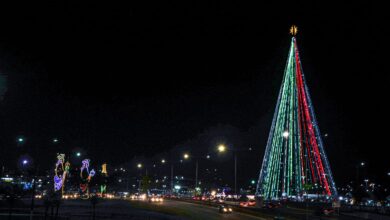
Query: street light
[78,154]
[20,140]
[25,162]
[186,156]
[55,140]
[221,148]
[139,165]
[163,161]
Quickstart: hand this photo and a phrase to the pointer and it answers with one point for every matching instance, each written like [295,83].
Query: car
[225,209]
[219,200]
[328,211]
[272,205]
[247,203]
[244,204]
[251,203]
[200,198]
[156,199]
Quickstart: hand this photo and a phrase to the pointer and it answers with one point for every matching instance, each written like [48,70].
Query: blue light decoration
[60,172]
[26,185]
[86,177]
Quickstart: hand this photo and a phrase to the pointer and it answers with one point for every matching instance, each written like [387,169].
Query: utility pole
[172,178]
[235,173]
[196,175]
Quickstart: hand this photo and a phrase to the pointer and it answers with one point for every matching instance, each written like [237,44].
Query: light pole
[186,156]
[139,166]
[358,166]
[221,149]
[163,161]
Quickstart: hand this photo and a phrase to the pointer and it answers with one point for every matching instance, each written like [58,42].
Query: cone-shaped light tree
[294,162]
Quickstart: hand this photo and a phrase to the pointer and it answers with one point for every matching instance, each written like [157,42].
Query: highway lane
[125,209]
[203,212]
[172,210]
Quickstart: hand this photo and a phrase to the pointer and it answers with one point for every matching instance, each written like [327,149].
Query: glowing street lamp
[186,156]
[20,140]
[25,162]
[139,165]
[78,154]
[55,140]
[163,161]
[221,148]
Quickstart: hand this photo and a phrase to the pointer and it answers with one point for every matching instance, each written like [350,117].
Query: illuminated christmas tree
[294,162]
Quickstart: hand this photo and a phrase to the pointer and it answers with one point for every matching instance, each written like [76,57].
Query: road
[168,210]
[125,209]
[201,212]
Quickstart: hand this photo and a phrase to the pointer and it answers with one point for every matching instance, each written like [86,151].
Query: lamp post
[163,161]
[186,156]
[139,166]
[221,149]
[358,166]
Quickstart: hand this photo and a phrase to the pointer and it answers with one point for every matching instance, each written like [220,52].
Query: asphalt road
[168,210]
[202,212]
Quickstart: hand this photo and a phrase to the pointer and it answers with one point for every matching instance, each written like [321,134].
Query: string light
[294,158]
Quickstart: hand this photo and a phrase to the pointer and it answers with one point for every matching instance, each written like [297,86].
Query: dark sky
[121,80]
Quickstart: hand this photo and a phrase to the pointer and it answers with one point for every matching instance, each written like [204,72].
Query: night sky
[119,80]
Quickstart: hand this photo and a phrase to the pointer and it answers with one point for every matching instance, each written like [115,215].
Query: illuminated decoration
[86,176]
[293,30]
[294,162]
[60,172]
[104,168]
[103,186]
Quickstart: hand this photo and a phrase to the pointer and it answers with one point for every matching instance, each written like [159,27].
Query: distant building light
[7,179]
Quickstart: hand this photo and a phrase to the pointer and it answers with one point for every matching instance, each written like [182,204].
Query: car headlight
[230,209]
[224,209]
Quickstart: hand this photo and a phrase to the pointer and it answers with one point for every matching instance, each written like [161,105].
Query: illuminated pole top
[293,30]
